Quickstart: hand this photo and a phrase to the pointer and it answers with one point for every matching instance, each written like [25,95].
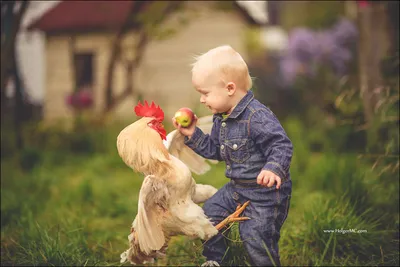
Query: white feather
[148,222]
[176,147]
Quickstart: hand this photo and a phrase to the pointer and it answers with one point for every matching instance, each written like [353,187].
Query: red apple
[184,117]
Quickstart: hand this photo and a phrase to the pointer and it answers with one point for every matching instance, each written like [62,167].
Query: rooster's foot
[234,217]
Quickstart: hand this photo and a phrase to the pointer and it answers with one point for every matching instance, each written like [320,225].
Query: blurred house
[84,30]
[30,59]
[30,49]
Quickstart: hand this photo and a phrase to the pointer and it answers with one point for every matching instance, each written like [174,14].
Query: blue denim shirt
[248,140]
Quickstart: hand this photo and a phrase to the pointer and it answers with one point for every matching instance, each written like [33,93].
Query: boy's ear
[231,88]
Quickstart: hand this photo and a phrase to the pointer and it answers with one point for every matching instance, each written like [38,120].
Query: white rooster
[169,195]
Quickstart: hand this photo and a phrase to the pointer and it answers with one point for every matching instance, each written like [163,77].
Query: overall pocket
[283,201]
[237,150]
[285,211]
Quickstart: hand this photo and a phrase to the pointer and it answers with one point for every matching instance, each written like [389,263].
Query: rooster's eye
[153,123]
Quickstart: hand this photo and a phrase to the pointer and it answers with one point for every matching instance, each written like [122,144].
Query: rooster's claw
[234,217]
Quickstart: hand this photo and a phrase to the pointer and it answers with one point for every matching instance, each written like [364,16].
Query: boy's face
[213,94]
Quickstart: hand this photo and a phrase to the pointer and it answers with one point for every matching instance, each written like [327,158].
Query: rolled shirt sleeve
[206,145]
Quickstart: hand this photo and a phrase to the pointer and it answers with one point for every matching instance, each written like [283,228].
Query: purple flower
[308,49]
[291,68]
[302,45]
[339,60]
[330,52]
[345,32]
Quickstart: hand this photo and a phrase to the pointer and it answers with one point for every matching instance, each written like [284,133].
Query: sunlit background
[72,71]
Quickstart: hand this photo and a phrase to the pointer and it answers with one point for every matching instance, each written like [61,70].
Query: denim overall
[248,140]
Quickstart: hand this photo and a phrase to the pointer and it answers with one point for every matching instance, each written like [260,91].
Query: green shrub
[81,143]
[7,147]
[301,150]
[29,158]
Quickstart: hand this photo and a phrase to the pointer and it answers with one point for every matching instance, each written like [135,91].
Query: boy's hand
[268,179]
[188,131]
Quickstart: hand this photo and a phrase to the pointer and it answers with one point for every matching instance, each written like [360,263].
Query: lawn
[73,208]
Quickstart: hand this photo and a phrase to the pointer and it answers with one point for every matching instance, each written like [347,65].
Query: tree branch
[116,50]
[131,67]
[144,38]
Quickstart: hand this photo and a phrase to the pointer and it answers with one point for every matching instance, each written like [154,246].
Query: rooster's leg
[234,217]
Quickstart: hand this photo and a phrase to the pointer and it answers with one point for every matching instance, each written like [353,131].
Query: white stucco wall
[31,52]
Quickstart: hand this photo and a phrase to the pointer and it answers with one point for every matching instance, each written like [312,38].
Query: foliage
[85,136]
[309,50]
[311,14]
[29,158]
[156,13]
[224,5]
[329,100]
[252,42]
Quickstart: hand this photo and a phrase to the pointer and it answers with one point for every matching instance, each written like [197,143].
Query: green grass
[77,208]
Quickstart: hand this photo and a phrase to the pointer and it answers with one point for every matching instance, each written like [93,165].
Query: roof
[93,15]
[72,15]
[256,9]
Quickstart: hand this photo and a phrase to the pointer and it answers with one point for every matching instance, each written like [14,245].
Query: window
[84,77]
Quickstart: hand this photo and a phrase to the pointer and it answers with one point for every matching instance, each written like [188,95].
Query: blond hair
[225,63]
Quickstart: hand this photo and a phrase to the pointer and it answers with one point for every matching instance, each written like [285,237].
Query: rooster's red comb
[149,111]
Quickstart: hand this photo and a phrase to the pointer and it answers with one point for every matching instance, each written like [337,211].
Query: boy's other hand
[188,131]
[268,179]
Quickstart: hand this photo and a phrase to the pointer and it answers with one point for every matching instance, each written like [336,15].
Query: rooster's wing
[153,198]
[176,147]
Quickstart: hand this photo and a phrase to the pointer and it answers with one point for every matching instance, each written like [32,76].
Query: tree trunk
[8,43]
[9,65]
[19,104]
[373,44]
